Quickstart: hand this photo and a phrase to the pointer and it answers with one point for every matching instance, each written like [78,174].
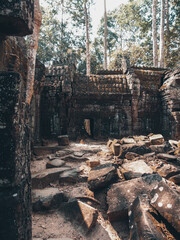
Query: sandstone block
[81,213]
[69,176]
[44,178]
[55,163]
[156,139]
[63,140]
[93,163]
[141,224]
[122,194]
[101,176]
[167,203]
[48,198]
[167,157]
[16,17]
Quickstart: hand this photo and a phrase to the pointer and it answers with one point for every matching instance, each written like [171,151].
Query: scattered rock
[122,194]
[158,148]
[117,149]
[168,170]
[138,148]
[81,213]
[138,168]
[175,179]
[142,224]
[72,158]
[63,140]
[128,141]
[167,157]
[156,139]
[166,202]
[101,176]
[69,176]
[55,163]
[48,198]
[131,155]
[44,178]
[93,163]
[63,153]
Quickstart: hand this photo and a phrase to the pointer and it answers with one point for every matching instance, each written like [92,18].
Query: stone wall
[16,19]
[170,93]
[116,103]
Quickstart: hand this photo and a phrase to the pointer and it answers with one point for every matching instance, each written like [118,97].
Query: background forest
[127,30]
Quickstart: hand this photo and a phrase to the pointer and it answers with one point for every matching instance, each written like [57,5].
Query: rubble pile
[132,181]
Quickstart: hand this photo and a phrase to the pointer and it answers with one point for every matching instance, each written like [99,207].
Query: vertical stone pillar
[15,190]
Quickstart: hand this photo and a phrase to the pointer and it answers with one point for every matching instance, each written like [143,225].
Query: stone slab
[121,195]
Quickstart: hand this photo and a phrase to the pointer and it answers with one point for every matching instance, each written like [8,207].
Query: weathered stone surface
[16,17]
[117,149]
[131,155]
[93,163]
[121,195]
[128,141]
[135,148]
[55,163]
[142,225]
[44,178]
[156,139]
[82,213]
[69,176]
[101,176]
[63,140]
[168,170]
[158,148]
[166,202]
[137,167]
[175,179]
[167,157]
[48,198]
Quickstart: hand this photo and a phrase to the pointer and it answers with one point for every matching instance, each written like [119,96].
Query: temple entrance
[89,127]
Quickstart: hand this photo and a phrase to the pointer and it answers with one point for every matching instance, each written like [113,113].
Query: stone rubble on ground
[138,184]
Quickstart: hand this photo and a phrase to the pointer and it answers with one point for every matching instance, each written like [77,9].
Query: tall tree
[162,34]
[88,56]
[154,33]
[105,36]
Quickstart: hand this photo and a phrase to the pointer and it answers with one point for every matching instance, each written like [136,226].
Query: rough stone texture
[44,178]
[142,225]
[15,206]
[55,163]
[156,139]
[170,93]
[121,195]
[48,198]
[69,176]
[167,157]
[101,176]
[167,202]
[16,17]
[82,213]
[137,167]
[63,140]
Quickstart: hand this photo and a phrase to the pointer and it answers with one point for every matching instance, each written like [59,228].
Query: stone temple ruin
[127,189]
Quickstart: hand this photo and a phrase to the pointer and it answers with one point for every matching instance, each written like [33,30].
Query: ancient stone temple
[123,102]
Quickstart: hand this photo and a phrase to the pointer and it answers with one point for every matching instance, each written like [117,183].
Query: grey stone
[55,163]
[101,176]
[167,157]
[121,195]
[69,176]
[48,198]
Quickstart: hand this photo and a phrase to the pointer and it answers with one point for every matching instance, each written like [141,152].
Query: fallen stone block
[142,225]
[138,148]
[175,179]
[55,163]
[101,176]
[69,176]
[137,167]
[166,201]
[128,141]
[168,170]
[167,157]
[158,148]
[48,198]
[81,213]
[156,139]
[93,163]
[117,151]
[63,140]
[122,194]
[131,155]
[44,178]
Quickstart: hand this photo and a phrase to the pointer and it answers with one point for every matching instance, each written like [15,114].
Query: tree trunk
[32,51]
[154,33]
[167,31]
[105,36]
[162,34]
[88,58]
